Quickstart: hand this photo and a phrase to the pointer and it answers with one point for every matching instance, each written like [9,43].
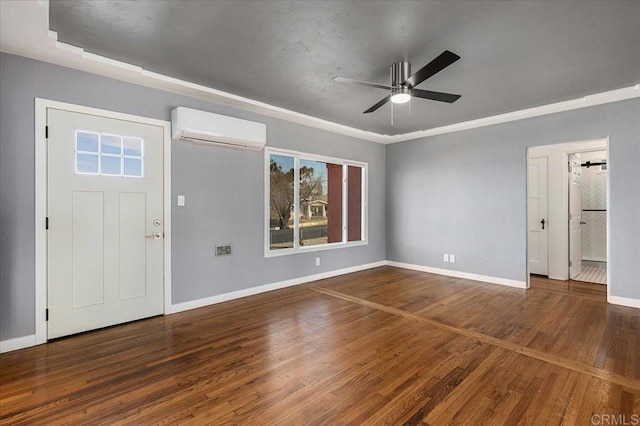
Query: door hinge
[46,314]
[569,166]
[46,223]
[570,263]
[46,132]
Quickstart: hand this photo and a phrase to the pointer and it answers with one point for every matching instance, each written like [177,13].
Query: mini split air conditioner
[206,128]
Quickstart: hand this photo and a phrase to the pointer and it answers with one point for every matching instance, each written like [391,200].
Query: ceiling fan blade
[378,105]
[445,59]
[361,83]
[435,96]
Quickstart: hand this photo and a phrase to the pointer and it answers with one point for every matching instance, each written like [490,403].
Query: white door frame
[41,106]
[565,149]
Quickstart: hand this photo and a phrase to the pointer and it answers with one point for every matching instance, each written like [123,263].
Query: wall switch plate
[446,257]
[452,258]
[180,200]
[223,250]
[317,261]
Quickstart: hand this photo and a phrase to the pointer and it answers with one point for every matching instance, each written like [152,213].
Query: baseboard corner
[459,274]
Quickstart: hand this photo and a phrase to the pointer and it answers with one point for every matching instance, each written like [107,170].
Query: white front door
[105,218]
[537,216]
[575,216]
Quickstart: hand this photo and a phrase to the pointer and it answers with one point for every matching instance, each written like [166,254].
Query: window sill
[309,249]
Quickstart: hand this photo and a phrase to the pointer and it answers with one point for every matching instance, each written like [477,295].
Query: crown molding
[584,102]
[24,31]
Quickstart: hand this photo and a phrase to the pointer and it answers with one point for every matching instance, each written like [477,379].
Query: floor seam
[514,347]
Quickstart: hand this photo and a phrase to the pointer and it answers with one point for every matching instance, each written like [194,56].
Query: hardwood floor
[383,346]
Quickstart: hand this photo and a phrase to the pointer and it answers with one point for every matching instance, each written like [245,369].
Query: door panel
[575,216]
[537,213]
[132,248]
[87,243]
[105,190]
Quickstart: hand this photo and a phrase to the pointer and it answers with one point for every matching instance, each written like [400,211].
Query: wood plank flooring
[383,346]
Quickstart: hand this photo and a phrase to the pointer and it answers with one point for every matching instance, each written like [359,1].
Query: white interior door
[105,215]
[575,216]
[537,216]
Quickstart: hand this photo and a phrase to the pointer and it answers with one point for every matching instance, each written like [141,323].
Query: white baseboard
[193,304]
[562,278]
[17,343]
[459,274]
[624,301]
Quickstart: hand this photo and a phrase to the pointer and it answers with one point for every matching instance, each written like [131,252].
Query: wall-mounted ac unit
[207,128]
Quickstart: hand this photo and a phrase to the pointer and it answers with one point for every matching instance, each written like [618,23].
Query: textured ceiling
[515,55]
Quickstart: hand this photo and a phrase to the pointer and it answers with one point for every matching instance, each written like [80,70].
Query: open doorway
[588,217]
[567,219]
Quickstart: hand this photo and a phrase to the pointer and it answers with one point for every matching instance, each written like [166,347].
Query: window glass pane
[86,142]
[320,202]
[111,144]
[354,203]
[133,167]
[133,146]
[281,202]
[87,163]
[110,165]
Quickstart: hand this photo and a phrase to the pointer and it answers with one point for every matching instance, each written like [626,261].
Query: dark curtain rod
[589,164]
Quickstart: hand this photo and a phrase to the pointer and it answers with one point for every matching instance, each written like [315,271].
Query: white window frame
[297,249]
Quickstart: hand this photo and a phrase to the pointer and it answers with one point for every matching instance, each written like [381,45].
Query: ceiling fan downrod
[400,72]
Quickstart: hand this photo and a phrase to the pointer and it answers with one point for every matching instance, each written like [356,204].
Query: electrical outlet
[223,250]
[180,200]
[446,257]
[452,258]
[317,261]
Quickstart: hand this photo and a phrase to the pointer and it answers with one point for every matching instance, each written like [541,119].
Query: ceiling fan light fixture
[401,95]
[403,83]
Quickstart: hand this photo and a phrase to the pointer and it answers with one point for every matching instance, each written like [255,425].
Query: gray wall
[223,189]
[465,193]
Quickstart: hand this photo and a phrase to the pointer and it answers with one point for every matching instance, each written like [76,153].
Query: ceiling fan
[403,84]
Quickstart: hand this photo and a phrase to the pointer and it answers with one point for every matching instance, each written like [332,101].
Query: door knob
[155,236]
[542,222]
[583,223]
